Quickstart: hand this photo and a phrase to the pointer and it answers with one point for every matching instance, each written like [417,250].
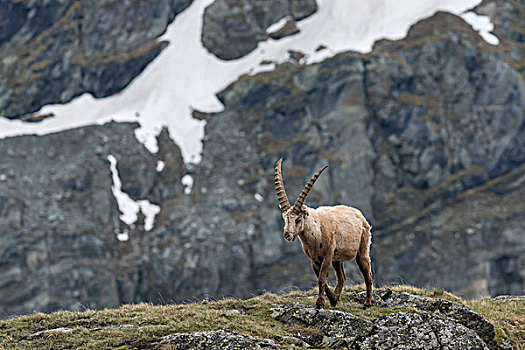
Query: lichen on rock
[433,324]
[217,340]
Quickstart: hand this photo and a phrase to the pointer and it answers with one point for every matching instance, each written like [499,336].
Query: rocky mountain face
[508,19]
[55,50]
[425,135]
[447,134]
[59,219]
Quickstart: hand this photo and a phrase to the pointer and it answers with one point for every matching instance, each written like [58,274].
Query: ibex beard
[329,236]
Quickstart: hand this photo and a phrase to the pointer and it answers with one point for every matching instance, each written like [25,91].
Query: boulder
[425,323]
[217,340]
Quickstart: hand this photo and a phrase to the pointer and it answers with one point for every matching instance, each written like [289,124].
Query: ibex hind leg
[363,261]
[341,278]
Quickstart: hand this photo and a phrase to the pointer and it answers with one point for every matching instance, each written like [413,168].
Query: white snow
[355,25]
[123,236]
[278,25]
[483,25]
[187,181]
[149,210]
[185,76]
[127,206]
[258,197]
[160,165]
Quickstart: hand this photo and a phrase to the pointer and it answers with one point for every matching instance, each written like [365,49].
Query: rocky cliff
[425,135]
[59,217]
[52,51]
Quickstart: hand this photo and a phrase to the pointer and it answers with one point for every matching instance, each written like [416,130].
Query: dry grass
[507,316]
[95,329]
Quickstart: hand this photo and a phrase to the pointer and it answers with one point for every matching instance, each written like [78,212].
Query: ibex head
[293,216]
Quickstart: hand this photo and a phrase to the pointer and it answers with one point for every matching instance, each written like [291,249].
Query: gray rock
[420,329]
[58,217]
[339,328]
[55,50]
[57,330]
[451,127]
[232,29]
[507,17]
[215,340]
[457,312]
[289,28]
[130,327]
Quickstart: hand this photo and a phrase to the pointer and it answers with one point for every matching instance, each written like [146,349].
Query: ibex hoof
[319,306]
[367,304]
[333,303]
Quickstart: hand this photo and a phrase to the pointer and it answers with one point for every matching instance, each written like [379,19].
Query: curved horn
[284,204]
[307,188]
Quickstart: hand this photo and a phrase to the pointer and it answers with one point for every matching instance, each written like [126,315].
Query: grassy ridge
[143,325]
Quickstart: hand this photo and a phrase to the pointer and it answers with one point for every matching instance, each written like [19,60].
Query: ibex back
[329,236]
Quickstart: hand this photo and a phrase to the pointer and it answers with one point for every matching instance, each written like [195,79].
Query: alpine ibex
[329,236]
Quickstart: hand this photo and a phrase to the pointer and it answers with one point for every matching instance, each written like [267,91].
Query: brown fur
[329,236]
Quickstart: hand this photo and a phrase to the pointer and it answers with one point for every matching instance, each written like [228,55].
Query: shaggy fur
[329,236]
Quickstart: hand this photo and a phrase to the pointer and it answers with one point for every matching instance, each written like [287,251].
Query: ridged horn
[300,201]
[284,204]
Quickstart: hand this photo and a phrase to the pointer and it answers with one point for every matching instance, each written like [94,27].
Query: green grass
[93,329]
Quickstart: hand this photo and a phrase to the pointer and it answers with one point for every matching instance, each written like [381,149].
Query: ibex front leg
[317,268]
[326,265]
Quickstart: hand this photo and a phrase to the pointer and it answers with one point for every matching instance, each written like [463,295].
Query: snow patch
[127,206]
[123,236]
[187,181]
[482,25]
[258,197]
[160,165]
[149,210]
[186,77]
[278,25]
